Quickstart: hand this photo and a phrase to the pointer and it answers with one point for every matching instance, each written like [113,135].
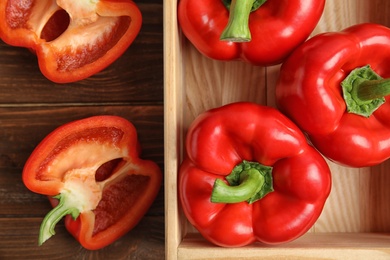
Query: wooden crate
[356,216]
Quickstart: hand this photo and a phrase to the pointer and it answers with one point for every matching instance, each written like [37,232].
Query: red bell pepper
[310,92]
[257,31]
[249,175]
[72,39]
[91,166]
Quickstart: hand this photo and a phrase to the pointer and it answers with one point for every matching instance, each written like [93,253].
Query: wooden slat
[173,102]
[19,240]
[311,246]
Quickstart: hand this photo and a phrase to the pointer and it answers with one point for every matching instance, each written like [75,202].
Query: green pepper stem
[237,29]
[364,91]
[251,182]
[54,216]
[248,181]
[373,89]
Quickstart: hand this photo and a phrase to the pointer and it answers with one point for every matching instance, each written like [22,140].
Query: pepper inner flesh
[106,170]
[117,199]
[113,204]
[55,26]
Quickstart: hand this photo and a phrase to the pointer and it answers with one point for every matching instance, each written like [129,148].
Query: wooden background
[31,107]
[359,201]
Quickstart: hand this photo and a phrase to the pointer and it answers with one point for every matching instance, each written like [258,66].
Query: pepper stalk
[248,181]
[64,207]
[237,29]
[80,193]
[364,91]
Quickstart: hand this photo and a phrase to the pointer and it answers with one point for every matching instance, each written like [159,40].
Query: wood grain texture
[18,240]
[359,199]
[310,246]
[31,107]
[210,83]
[173,122]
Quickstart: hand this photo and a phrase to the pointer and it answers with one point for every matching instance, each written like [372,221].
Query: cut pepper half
[92,173]
[72,39]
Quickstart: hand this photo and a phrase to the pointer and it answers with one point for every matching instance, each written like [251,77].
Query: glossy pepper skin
[73,40]
[309,91]
[276,28]
[91,171]
[217,142]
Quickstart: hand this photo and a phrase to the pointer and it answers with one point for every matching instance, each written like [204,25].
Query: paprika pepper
[249,175]
[332,88]
[72,39]
[261,32]
[91,171]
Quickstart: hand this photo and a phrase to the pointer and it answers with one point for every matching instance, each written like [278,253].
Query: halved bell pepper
[72,39]
[91,171]
[261,32]
[332,87]
[249,175]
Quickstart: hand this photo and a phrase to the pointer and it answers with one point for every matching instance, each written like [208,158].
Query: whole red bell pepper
[72,39]
[249,175]
[331,87]
[91,172]
[261,32]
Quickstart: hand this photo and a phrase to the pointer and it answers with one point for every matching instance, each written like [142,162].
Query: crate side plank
[172,124]
[310,246]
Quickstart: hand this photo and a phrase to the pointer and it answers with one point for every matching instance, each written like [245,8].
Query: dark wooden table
[32,106]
